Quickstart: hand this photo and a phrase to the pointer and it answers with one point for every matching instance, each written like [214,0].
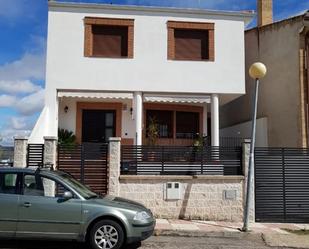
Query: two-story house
[111,70]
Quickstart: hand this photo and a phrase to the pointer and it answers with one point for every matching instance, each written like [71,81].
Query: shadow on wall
[184,205]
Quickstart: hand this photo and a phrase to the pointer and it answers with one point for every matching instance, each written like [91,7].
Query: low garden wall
[202,197]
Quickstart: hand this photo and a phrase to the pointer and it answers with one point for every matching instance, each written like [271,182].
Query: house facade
[283,94]
[113,70]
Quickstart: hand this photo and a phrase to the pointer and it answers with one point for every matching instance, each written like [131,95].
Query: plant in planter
[152,134]
[66,137]
[152,131]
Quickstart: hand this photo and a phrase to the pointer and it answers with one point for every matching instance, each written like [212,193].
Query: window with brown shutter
[108,37]
[190,41]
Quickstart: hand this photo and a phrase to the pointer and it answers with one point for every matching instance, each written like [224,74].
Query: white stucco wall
[67,120]
[149,70]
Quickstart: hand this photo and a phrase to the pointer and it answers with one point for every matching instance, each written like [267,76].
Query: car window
[37,185]
[8,183]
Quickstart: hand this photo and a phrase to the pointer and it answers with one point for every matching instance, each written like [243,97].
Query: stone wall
[203,197]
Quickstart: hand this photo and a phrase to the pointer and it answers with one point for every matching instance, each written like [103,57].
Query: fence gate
[282,185]
[87,163]
[35,155]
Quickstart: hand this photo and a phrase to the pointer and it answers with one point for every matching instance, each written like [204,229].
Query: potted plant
[66,138]
[152,136]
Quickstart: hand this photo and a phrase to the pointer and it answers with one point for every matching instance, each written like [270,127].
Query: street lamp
[257,71]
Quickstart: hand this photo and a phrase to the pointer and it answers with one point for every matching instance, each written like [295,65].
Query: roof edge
[242,14]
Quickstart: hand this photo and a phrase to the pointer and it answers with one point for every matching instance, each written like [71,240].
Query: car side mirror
[67,195]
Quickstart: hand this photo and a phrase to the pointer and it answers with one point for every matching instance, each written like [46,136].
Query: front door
[44,213]
[98,125]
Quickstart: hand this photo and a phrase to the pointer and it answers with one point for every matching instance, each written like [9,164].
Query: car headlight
[141,216]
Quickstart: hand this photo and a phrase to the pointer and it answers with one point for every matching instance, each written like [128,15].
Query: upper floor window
[190,41]
[108,37]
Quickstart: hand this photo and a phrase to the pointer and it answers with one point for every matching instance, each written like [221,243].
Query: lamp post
[257,71]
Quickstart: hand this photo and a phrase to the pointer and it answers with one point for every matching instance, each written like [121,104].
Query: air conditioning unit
[173,191]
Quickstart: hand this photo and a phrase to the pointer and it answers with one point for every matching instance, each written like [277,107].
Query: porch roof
[179,98]
[96,95]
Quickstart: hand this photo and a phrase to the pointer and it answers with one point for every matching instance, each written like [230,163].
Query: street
[156,242]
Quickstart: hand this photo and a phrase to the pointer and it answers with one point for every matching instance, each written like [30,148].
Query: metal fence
[87,163]
[35,155]
[180,160]
[282,185]
[6,155]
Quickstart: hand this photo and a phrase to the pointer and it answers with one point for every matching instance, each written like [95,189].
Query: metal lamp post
[257,71]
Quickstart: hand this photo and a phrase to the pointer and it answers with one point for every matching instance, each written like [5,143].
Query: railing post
[82,163]
[114,151]
[20,151]
[162,159]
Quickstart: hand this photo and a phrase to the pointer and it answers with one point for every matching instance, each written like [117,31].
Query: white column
[138,99]
[214,120]
[205,109]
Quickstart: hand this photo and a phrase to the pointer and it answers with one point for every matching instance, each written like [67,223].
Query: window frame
[88,36]
[22,189]
[173,25]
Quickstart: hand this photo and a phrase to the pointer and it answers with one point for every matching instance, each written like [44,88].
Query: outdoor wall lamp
[257,71]
[66,108]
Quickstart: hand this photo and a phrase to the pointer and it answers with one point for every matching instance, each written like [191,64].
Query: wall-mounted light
[131,110]
[66,108]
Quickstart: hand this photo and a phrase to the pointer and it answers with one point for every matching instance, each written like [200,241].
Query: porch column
[138,99]
[205,109]
[214,120]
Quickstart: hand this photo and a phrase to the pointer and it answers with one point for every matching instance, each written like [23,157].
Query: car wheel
[106,234]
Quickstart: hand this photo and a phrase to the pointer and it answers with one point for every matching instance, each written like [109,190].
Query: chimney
[265,12]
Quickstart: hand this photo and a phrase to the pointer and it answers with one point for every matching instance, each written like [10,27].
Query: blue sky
[23,25]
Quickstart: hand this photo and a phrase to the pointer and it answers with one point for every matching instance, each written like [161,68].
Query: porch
[180,119]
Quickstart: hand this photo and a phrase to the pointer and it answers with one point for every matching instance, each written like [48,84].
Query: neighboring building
[111,68]
[283,47]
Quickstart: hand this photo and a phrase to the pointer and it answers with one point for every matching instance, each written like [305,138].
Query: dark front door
[98,126]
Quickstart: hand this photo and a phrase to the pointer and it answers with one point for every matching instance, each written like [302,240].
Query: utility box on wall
[173,191]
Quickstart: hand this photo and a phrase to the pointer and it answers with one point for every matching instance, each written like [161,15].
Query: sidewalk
[274,234]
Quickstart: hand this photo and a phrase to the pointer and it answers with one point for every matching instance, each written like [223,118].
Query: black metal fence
[87,163]
[226,141]
[180,160]
[282,185]
[6,156]
[35,155]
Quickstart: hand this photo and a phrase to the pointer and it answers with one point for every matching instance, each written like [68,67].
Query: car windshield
[83,190]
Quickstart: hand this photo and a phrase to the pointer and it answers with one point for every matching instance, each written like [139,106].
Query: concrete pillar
[114,165]
[50,151]
[205,109]
[20,151]
[245,164]
[138,100]
[214,120]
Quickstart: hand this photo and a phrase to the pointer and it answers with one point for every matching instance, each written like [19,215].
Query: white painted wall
[149,70]
[67,120]
[243,130]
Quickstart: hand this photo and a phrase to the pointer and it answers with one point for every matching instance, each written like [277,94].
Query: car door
[44,213]
[9,200]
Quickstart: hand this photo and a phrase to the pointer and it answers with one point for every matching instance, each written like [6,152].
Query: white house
[112,68]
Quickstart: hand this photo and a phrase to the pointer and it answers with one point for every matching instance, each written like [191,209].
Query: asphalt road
[156,242]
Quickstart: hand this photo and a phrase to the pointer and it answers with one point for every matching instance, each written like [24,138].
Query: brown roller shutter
[191,44]
[110,41]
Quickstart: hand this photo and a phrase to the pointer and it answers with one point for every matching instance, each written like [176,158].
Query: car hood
[119,202]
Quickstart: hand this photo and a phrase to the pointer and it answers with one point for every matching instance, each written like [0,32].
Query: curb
[190,233]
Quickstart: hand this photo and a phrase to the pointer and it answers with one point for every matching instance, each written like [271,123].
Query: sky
[23,25]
